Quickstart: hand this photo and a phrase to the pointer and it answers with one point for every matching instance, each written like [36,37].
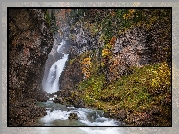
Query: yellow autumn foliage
[129,15]
[86,65]
[126,16]
[161,76]
[105,52]
[131,11]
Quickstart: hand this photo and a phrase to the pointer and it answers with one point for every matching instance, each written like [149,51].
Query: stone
[122,114]
[28,35]
[58,100]
[79,104]
[73,116]
[71,76]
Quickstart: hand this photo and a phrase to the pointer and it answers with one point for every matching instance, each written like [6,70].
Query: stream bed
[58,115]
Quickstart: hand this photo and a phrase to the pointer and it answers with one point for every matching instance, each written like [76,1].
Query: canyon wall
[30,41]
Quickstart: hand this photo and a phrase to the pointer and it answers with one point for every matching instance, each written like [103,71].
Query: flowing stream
[57,114]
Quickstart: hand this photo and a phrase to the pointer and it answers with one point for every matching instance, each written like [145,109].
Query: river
[57,114]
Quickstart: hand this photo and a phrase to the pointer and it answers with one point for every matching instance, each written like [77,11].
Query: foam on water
[60,46]
[83,114]
[52,98]
[56,114]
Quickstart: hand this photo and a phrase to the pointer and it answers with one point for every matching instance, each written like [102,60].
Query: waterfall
[60,46]
[51,84]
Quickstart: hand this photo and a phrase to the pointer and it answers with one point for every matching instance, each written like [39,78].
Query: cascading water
[51,84]
[57,114]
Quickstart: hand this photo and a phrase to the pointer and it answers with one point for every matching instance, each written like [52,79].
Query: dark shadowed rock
[155,110]
[58,100]
[24,113]
[73,116]
[79,103]
[30,41]
[122,114]
[71,76]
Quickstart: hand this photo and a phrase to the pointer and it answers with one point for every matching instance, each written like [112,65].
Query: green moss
[72,60]
[47,17]
[146,86]
[50,19]
[134,92]
[131,92]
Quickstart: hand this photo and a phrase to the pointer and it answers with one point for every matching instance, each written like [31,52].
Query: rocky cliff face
[71,76]
[119,54]
[137,45]
[30,41]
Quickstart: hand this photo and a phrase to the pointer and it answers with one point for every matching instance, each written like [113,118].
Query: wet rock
[106,114]
[73,116]
[65,93]
[58,100]
[117,114]
[51,95]
[42,97]
[52,109]
[79,104]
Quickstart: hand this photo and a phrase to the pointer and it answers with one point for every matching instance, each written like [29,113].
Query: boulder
[73,116]
[58,100]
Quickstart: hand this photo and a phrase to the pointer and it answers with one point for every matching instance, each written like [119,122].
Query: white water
[83,115]
[52,82]
[60,46]
[87,117]
[59,115]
